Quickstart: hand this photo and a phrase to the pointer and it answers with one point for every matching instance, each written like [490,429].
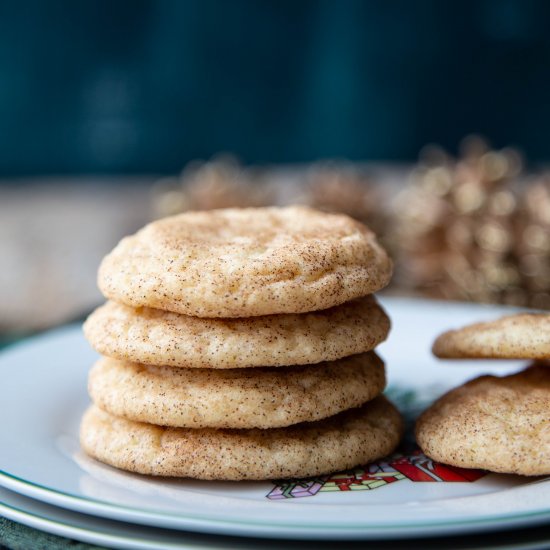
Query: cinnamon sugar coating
[501,424]
[520,336]
[246,262]
[344,441]
[155,337]
[235,398]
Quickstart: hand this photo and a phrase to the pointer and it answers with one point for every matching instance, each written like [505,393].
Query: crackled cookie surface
[501,424]
[343,441]
[155,337]
[246,262]
[521,336]
[236,398]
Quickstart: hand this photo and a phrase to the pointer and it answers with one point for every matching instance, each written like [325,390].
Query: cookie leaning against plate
[246,262]
[521,336]
[155,337]
[497,424]
[340,442]
[235,398]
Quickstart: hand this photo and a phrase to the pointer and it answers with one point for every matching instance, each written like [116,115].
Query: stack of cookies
[237,344]
[501,424]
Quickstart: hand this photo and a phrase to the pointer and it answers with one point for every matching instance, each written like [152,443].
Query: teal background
[143,86]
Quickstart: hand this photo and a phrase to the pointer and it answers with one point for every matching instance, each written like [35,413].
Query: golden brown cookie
[155,337]
[341,442]
[497,424]
[235,398]
[521,336]
[246,262]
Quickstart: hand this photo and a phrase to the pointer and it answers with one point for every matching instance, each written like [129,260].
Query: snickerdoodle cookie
[246,262]
[521,336]
[155,337]
[498,424]
[337,443]
[235,398]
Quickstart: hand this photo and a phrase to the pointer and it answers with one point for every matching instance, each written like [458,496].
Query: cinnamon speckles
[238,344]
[520,336]
[156,337]
[235,398]
[248,262]
[498,424]
[338,443]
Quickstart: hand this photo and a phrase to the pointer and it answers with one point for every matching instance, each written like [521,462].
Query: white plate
[43,394]
[95,530]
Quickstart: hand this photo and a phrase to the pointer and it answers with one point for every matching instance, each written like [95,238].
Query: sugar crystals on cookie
[501,424]
[238,345]
[246,262]
[519,336]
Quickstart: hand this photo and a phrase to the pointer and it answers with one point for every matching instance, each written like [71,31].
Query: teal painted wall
[113,86]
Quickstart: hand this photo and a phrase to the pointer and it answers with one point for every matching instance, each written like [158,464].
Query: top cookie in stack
[231,289]
[245,263]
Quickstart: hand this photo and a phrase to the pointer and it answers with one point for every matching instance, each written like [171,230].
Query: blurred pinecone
[219,183]
[474,229]
[346,188]
[533,242]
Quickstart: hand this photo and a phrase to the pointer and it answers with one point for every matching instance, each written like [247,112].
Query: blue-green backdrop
[112,86]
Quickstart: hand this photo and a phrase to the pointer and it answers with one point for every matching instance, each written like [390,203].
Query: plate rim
[133,514]
[94,534]
[89,535]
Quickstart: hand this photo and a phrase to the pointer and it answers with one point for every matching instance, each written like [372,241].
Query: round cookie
[235,398]
[492,423]
[520,336]
[245,262]
[155,337]
[338,443]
